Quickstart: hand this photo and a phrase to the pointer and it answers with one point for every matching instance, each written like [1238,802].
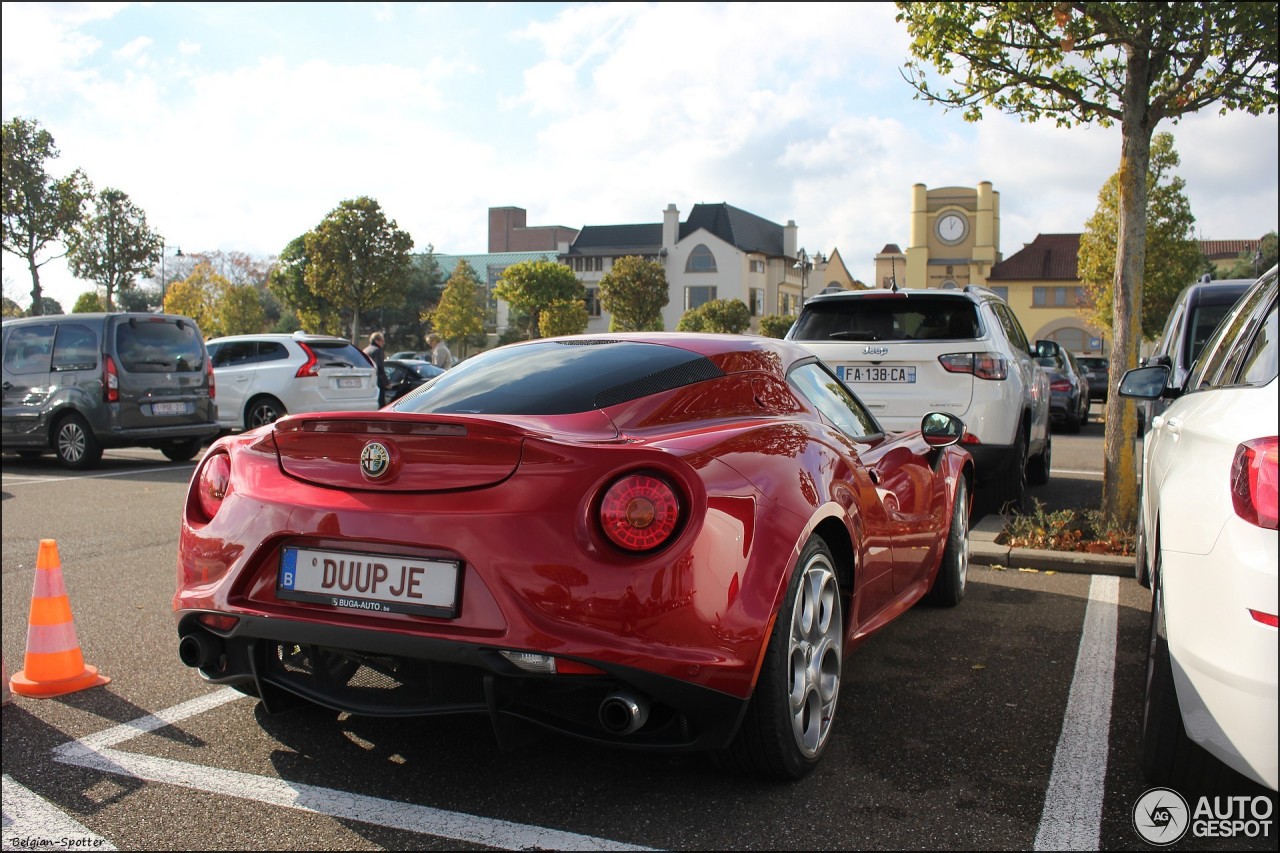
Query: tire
[182,451]
[1073,420]
[75,444]
[953,570]
[262,411]
[1169,757]
[1013,480]
[788,723]
[1040,465]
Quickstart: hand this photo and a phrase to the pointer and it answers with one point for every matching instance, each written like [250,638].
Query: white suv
[264,377]
[909,352]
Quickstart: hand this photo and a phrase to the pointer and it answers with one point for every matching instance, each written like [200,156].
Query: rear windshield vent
[698,370]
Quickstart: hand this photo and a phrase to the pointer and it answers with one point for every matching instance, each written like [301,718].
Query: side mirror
[941,429]
[1145,383]
[1047,349]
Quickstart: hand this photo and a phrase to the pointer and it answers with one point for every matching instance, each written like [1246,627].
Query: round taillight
[639,512]
[214,483]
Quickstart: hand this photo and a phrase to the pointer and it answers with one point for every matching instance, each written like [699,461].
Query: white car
[908,352]
[264,377]
[1207,540]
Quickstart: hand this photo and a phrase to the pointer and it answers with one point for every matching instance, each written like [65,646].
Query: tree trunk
[1120,479]
[37,302]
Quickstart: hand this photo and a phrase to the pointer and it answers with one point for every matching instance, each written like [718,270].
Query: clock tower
[955,236]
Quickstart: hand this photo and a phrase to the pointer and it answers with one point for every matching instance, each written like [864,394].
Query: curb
[985,551]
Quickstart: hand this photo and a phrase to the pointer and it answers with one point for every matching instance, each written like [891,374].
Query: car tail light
[1271,620]
[981,365]
[309,368]
[110,380]
[213,388]
[1255,476]
[213,483]
[639,512]
[1062,386]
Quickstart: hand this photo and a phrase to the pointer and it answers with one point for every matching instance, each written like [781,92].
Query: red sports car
[666,541]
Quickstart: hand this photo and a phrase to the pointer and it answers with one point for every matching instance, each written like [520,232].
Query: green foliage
[531,287]
[11,308]
[1250,266]
[634,292]
[460,314]
[196,297]
[239,310]
[48,307]
[113,246]
[563,317]
[287,282]
[403,323]
[776,325]
[1067,530]
[1172,257]
[37,209]
[138,298]
[725,316]
[358,259]
[87,303]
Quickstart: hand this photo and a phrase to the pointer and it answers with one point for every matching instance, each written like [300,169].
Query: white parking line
[29,820]
[96,752]
[12,479]
[1072,815]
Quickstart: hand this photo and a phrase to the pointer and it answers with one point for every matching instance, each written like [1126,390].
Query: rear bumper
[398,675]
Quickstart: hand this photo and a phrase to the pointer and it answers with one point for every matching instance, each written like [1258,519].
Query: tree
[403,323]
[776,325]
[11,308]
[530,287]
[1082,63]
[48,307]
[634,292]
[725,316]
[196,296]
[460,315]
[38,209]
[287,281]
[1253,264]
[358,259]
[1172,256]
[113,246]
[238,310]
[564,317]
[87,303]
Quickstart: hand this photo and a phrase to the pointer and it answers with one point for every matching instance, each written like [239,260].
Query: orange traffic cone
[54,665]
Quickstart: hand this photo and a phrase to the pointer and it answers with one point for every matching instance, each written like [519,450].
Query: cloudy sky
[238,126]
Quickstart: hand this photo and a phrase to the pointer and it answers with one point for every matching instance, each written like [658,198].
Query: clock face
[952,228]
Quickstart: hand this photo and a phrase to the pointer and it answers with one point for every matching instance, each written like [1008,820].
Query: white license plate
[373,583]
[348,382]
[169,408]
[905,375]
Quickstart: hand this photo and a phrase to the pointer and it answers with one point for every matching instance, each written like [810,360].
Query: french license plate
[169,408]
[905,375]
[348,382]
[373,583]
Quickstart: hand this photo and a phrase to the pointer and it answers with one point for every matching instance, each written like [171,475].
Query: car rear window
[338,354]
[559,377]
[888,318]
[159,345]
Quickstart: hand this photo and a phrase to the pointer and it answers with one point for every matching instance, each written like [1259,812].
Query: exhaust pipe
[199,649]
[623,712]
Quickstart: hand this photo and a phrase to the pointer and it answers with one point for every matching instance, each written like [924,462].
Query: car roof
[968,293]
[1218,290]
[719,347]
[275,336]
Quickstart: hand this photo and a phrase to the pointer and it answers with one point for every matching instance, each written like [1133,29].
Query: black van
[77,383]
[1195,314]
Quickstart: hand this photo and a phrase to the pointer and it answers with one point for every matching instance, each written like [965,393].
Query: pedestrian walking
[440,355]
[379,358]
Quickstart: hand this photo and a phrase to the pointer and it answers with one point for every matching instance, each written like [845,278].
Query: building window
[593,302]
[1039,296]
[700,260]
[757,266]
[948,285]
[757,301]
[696,296]
[1002,292]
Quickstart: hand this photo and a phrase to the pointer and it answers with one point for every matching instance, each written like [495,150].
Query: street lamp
[803,263]
[163,285]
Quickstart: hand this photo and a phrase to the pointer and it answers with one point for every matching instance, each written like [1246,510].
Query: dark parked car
[662,541]
[1096,369]
[1069,396]
[1194,317]
[404,375]
[78,383]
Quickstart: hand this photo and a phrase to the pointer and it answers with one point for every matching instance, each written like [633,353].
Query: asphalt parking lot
[1010,722]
